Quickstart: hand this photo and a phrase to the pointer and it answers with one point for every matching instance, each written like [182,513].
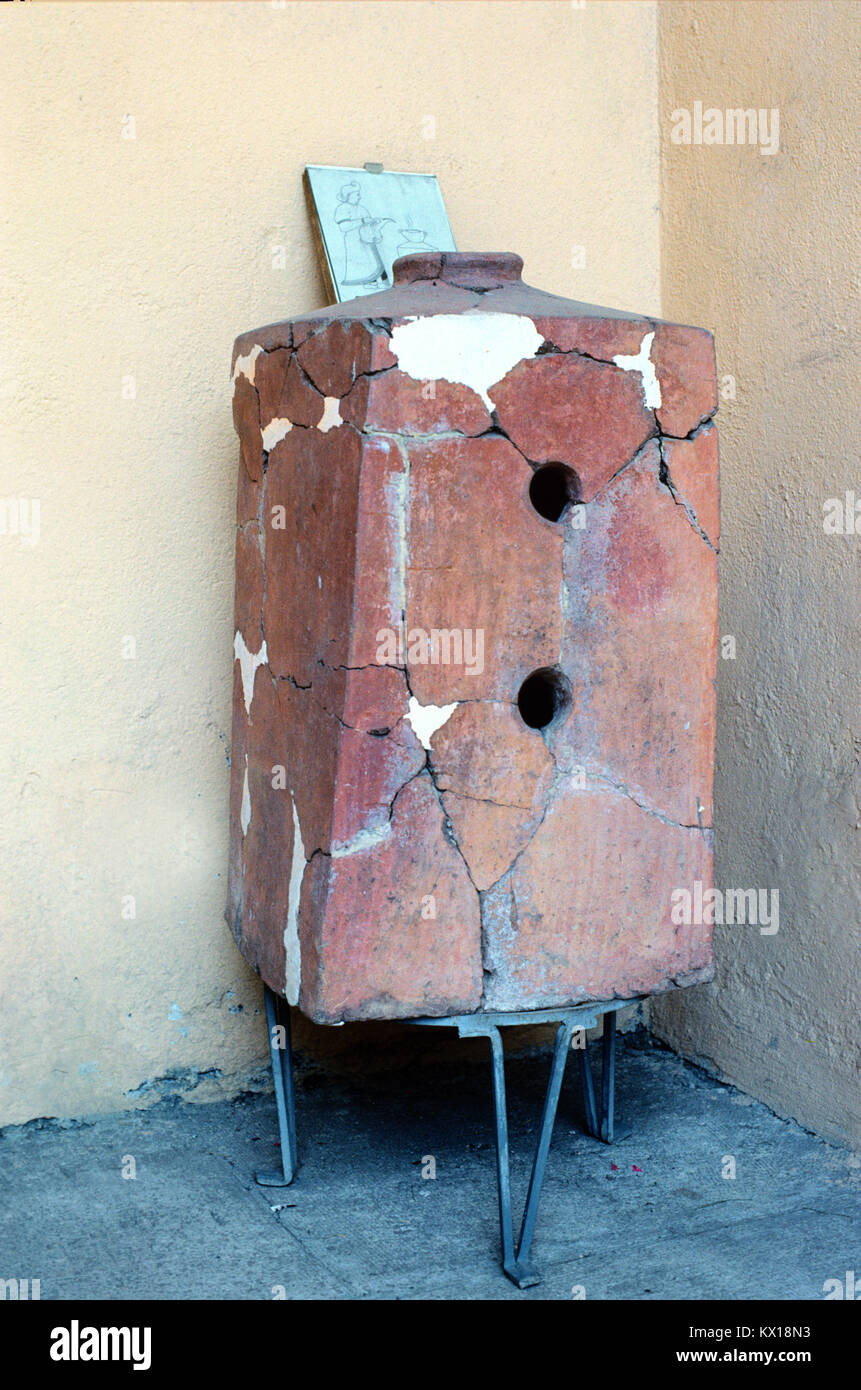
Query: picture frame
[364,219]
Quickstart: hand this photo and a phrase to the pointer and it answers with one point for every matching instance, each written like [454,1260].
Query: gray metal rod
[608,1075]
[503,1171]
[588,1089]
[282,1076]
[548,1118]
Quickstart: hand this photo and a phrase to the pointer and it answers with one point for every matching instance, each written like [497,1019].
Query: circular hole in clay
[553,488]
[543,696]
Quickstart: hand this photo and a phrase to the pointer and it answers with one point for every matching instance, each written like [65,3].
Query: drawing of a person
[362,234]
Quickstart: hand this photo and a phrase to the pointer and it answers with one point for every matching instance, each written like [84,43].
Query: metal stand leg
[516,1263]
[601,1126]
[281,1055]
[608,1076]
[503,1170]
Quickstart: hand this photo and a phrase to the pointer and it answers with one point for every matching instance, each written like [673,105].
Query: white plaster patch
[244,366]
[275,431]
[292,947]
[643,364]
[364,839]
[331,414]
[426,719]
[248,663]
[245,808]
[474,349]
[398,501]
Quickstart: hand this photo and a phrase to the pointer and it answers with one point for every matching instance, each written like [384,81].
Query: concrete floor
[649,1218]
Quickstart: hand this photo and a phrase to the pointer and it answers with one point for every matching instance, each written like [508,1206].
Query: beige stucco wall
[760,248]
[142,258]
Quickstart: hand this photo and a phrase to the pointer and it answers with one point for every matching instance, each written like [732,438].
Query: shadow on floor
[654,1216]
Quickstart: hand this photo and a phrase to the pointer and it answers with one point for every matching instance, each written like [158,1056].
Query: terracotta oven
[475,638]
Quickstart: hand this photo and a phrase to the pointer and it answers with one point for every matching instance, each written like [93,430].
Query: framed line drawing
[363,219]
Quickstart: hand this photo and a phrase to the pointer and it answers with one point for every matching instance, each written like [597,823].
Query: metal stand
[515,1258]
[281,1056]
[599,1118]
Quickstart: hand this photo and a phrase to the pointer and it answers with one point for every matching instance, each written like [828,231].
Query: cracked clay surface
[451,857]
